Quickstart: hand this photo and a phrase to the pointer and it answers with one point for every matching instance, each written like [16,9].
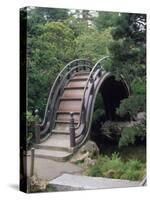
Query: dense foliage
[30,129]
[114,167]
[132,134]
[57,36]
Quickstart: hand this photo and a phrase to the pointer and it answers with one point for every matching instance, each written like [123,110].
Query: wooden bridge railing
[45,127]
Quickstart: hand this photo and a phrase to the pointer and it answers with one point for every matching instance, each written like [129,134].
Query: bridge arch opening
[109,96]
[112,92]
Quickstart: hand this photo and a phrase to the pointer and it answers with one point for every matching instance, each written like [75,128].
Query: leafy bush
[136,102]
[138,86]
[99,110]
[135,170]
[114,167]
[30,124]
[130,134]
[99,114]
[132,105]
[29,118]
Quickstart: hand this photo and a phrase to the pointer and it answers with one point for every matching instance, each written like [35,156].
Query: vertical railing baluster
[72,131]
[32,162]
[83,111]
[77,69]
[37,127]
[92,82]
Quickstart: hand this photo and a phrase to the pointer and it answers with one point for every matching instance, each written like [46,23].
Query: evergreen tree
[129,48]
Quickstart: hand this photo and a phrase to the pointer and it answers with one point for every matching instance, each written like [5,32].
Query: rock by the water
[90,147]
[86,154]
[141,116]
[89,162]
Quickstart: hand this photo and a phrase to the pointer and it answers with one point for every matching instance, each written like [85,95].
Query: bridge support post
[72,131]
[32,162]
[37,127]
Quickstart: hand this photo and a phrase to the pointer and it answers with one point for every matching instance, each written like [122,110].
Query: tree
[92,44]
[129,48]
[105,20]
[128,51]
[48,52]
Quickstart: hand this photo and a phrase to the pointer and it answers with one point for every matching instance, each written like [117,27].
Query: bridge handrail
[88,80]
[58,79]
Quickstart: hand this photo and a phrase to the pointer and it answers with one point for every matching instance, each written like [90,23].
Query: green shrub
[29,118]
[136,102]
[114,167]
[135,170]
[129,135]
[132,105]
[138,86]
[98,114]
[30,129]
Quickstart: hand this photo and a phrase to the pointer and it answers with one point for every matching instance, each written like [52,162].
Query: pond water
[131,152]
[107,147]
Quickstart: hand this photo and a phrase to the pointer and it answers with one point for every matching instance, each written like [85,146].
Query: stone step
[62,127]
[59,142]
[68,182]
[53,154]
[60,131]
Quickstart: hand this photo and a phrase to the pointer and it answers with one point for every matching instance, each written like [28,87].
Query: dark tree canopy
[129,47]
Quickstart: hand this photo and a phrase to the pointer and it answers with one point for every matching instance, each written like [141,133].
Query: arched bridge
[69,110]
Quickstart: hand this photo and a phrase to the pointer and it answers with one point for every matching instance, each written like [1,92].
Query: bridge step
[70,98]
[62,127]
[77,83]
[58,131]
[73,87]
[55,148]
[70,105]
[81,73]
[77,110]
[80,78]
[58,142]
[75,93]
[66,116]
[65,121]
[52,154]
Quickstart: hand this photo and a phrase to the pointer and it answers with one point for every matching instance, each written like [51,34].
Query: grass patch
[114,167]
